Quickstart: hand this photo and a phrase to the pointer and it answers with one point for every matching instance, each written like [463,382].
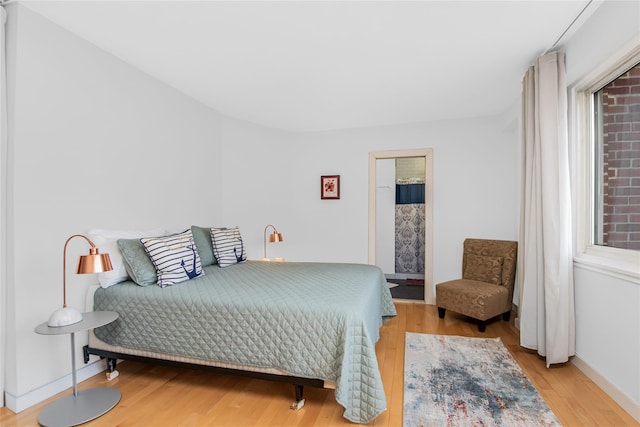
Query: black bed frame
[298,382]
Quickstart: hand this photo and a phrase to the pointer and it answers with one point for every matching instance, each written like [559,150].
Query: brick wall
[621,161]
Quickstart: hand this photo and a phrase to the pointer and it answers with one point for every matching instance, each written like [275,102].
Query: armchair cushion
[472,298]
[486,269]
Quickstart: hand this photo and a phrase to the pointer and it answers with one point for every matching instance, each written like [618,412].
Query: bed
[305,323]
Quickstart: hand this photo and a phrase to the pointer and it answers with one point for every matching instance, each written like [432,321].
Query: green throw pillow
[137,262]
[202,237]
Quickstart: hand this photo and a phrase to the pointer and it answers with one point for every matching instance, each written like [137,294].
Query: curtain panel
[545,261]
[407,194]
[409,250]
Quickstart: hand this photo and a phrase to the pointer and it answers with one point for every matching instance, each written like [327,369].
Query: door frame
[427,154]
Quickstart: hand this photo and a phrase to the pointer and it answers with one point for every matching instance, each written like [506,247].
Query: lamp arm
[265,238]
[93,250]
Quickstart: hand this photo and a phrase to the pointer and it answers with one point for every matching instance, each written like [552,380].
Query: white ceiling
[307,66]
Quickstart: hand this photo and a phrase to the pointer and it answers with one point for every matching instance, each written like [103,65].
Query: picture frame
[330,187]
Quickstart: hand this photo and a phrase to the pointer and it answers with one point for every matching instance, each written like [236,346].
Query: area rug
[460,381]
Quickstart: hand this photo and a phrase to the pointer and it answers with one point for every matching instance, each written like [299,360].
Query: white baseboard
[24,401]
[617,395]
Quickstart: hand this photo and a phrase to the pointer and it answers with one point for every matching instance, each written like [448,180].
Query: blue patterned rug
[460,381]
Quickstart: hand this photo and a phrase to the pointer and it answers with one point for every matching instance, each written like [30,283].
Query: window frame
[621,263]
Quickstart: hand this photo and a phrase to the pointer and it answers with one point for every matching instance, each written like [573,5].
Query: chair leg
[441,312]
[482,325]
[506,316]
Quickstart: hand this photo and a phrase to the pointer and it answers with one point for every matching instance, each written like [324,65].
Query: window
[617,162]
[606,122]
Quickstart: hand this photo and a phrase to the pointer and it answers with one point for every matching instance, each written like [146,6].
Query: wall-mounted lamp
[273,237]
[87,264]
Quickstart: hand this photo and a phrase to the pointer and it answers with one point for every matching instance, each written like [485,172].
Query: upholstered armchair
[486,288]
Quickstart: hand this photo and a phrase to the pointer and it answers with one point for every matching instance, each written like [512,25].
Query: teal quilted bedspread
[311,320]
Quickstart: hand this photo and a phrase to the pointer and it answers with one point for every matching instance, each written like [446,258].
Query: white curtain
[545,261]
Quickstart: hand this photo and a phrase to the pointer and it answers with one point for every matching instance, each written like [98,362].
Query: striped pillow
[175,257]
[227,246]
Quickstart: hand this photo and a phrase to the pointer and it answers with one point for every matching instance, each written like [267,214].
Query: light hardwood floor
[163,396]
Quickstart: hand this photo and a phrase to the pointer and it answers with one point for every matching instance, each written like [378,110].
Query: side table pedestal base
[74,410]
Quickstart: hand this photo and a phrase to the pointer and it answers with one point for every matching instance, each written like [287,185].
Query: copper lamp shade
[94,262]
[273,238]
[87,264]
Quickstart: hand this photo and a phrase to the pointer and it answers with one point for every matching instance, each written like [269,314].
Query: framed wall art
[330,187]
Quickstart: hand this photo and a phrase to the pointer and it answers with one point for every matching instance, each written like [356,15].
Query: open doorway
[400,221]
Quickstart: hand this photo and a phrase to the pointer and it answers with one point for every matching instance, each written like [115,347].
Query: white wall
[608,332]
[93,144]
[256,180]
[607,320]
[475,188]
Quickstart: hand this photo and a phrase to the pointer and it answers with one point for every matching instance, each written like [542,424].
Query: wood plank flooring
[167,396]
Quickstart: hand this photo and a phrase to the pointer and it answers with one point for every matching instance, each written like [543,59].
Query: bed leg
[299,403]
[112,373]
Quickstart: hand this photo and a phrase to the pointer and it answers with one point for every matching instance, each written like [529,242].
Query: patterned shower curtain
[410,227]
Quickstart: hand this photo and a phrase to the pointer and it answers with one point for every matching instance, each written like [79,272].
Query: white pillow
[107,243]
[175,257]
[227,246]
